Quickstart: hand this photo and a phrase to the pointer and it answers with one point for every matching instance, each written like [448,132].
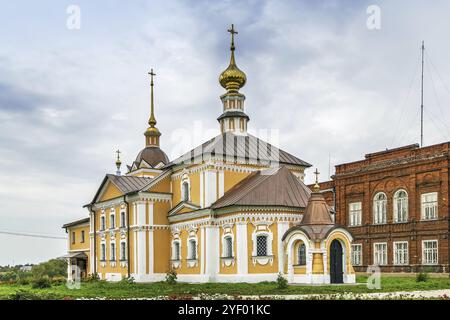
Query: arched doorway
[336,265]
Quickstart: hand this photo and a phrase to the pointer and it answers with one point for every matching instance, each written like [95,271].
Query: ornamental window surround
[429,206]
[176,250]
[185,188]
[102,252]
[401,256]
[379,208]
[401,206]
[112,256]
[355,213]
[227,246]
[192,249]
[123,219]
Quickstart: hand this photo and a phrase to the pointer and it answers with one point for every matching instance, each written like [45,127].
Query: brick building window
[380,253]
[379,208]
[430,252]
[401,253]
[355,213]
[356,254]
[429,206]
[400,206]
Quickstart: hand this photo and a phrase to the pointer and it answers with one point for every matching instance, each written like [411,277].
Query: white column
[151,252]
[202,189]
[242,248]
[212,251]
[141,241]
[282,227]
[203,251]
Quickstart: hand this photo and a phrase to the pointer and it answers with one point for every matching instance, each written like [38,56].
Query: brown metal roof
[152,155]
[271,187]
[237,147]
[75,223]
[128,184]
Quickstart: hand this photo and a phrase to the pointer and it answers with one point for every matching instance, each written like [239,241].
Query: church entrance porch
[336,262]
[77,264]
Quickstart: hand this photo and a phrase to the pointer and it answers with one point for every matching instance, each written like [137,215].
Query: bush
[41,282]
[56,281]
[422,277]
[51,268]
[28,295]
[171,276]
[92,278]
[23,281]
[282,282]
[127,280]
[8,277]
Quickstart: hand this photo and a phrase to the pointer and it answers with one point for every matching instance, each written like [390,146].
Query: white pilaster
[210,187]
[202,189]
[221,183]
[282,227]
[242,248]
[151,252]
[212,251]
[203,251]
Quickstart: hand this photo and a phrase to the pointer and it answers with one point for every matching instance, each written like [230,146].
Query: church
[234,209]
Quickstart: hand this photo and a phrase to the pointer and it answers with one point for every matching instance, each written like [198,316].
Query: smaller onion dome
[232,78]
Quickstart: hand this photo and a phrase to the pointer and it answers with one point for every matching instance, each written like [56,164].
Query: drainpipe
[128,235]
[95,239]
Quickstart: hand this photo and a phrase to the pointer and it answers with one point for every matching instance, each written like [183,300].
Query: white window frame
[380,253]
[185,179]
[112,253]
[425,254]
[176,257]
[102,222]
[424,205]
[357,254]
[103,251]
[224,246]
[300,245]
[404,207]
[400,256]
[123,219]
[112,220]
[379,217]
[123,255]
[355,213]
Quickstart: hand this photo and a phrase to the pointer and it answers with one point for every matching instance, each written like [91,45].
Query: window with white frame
[102,223]
[228,247]
[429,206]
[112,221]
[185,190]
[192,249]
[103,252]
[401,206]
[301,254]
[176,252]
[430,252]
[380,253]
[123,251]
[355,213]
[379,208]
[112,255]
[82,236]
[123,219]
[401,256]
[261,245]
[357,254]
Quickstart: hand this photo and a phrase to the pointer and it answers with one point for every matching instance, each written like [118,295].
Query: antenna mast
[421,101]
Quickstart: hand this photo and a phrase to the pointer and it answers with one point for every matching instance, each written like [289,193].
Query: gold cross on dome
[233,32]
[118,154]
[151,73]
[317,175]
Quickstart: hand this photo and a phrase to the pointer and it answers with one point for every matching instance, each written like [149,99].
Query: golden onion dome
[232,78]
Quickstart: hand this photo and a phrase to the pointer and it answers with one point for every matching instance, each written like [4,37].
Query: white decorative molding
[191,263]
[176,264]
[227,261]
[262,260]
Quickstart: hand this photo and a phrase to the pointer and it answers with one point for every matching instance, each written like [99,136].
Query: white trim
[437,252]
[242,248]
[394,253]
[375,262]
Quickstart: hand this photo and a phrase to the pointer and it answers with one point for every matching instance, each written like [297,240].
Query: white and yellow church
[234,209]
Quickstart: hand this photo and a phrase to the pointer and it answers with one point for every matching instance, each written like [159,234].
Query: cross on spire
[118,162]
[152,120]
[232,32]
[118,154]
[316,185]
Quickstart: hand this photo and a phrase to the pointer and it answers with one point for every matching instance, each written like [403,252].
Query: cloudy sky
[330,86]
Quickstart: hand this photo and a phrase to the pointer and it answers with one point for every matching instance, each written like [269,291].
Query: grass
[108,290]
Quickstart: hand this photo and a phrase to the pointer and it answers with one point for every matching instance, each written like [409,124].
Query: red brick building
[396,205]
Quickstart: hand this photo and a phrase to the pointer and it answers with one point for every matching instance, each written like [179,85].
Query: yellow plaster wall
[160,210]
[111,192]
[78,245]
[162,186]
[161,240]
[231,178]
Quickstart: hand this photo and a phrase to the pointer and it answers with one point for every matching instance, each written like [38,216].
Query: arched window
[379,208]
[192,249]
[123,219]
[176,251]
[185,190]
[113,252]
[112,221]
[400,206]
[228,249]
[103,252]
[102,223]
[261,245]
[302,254]
[123,251]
